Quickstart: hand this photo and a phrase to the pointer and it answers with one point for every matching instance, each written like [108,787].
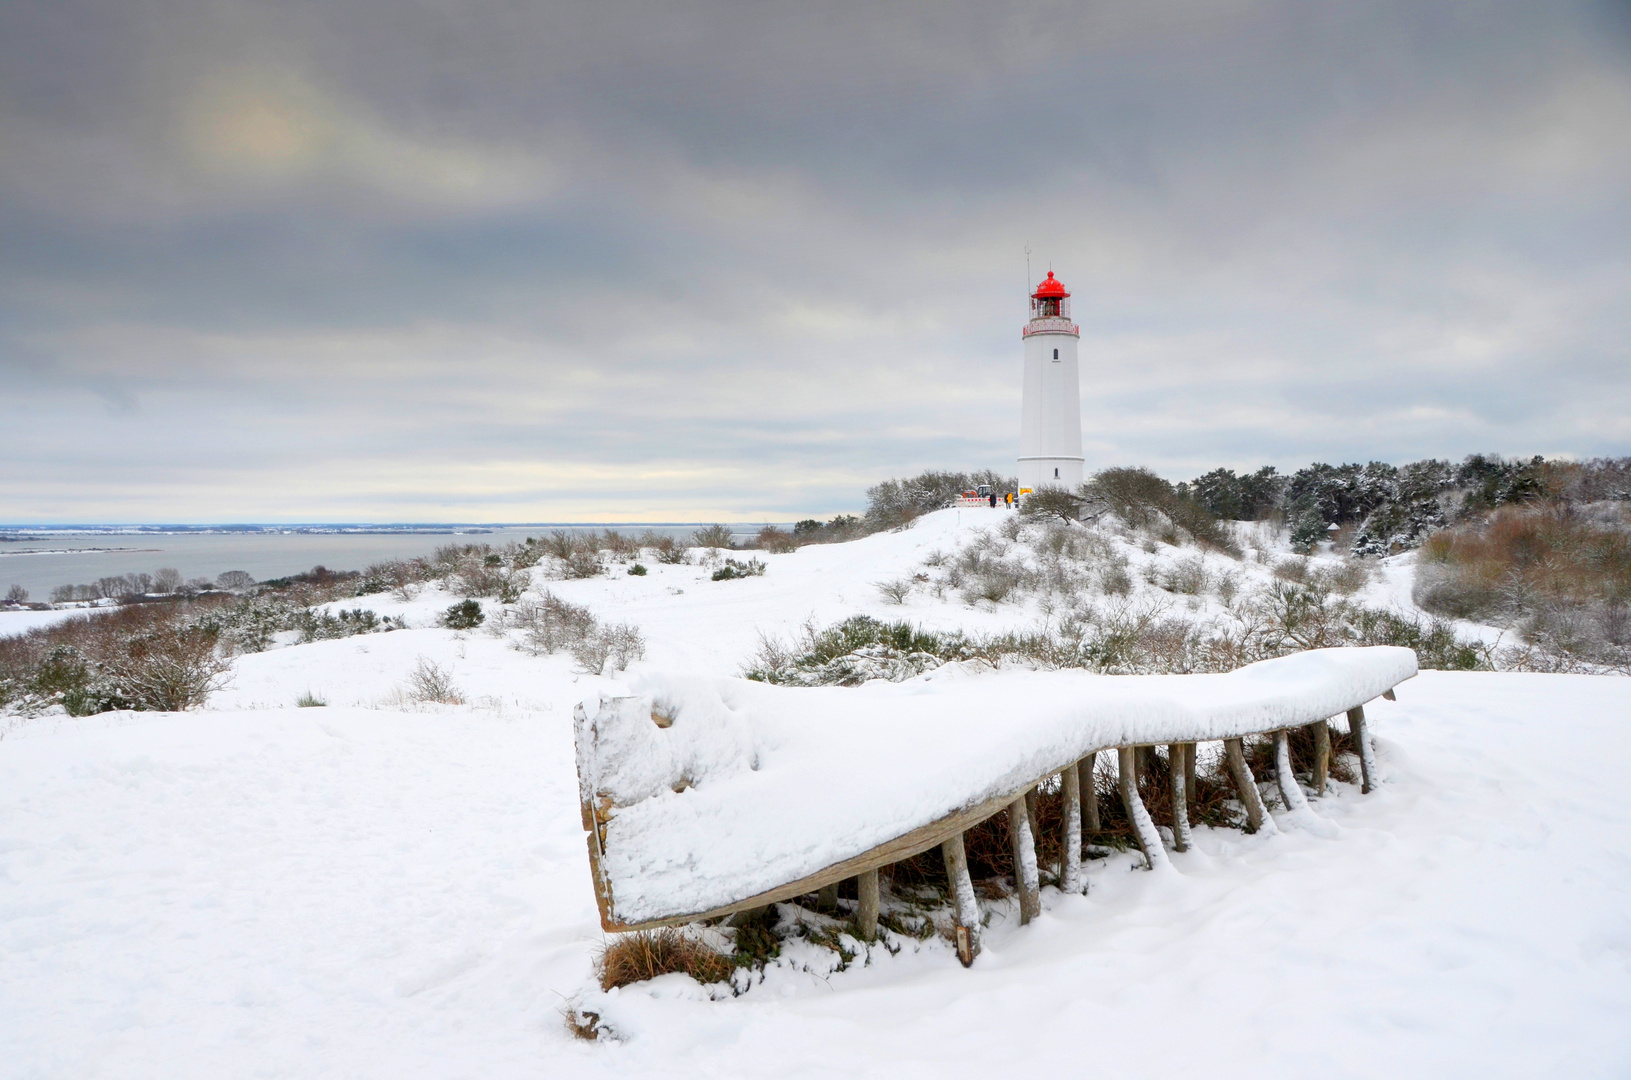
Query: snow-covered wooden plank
[754,793]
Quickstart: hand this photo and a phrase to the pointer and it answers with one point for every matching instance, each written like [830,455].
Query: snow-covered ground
[381,888]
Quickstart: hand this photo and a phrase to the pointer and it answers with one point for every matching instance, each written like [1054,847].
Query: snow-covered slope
[387,889]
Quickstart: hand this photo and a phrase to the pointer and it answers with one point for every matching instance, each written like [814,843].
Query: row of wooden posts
[1081,807]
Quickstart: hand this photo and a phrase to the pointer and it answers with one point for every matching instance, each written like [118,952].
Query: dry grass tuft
[646,954]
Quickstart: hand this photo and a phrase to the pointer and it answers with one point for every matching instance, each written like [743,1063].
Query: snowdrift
[704,796]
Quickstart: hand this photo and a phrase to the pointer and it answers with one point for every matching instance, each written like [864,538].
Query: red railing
[1050,326]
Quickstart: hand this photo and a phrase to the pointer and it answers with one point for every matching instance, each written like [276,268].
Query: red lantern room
[1050,301]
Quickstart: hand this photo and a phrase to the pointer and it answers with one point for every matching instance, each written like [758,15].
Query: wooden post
[1367,767]
[866,915]
[1090,791]
[1291,792]
[966,928]
[1390,695]
[1322,754]
[1246,787]
[1023,845]
[1070,796]
[1030,813]
[827,899]
[1144,831]
[1143,757]
[1189,770]
[1180,798]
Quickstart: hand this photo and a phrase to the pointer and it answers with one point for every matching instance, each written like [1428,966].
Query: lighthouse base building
[1050,427]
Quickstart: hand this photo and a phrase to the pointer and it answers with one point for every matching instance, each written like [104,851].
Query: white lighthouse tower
[1050,427]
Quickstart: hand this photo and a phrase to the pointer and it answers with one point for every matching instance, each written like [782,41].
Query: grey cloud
[312,245]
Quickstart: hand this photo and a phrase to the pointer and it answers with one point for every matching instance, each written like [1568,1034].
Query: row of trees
[166,581]
[1393,507]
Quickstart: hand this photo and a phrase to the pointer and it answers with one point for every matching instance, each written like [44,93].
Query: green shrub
[734,569]
[465,615]
[637,570]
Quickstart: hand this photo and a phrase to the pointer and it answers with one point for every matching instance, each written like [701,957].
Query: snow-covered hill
[384,887]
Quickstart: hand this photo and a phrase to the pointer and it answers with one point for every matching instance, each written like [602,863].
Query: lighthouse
[1050,426]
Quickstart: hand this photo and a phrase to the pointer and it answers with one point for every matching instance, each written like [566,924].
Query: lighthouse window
[1056,474]
[1056,354]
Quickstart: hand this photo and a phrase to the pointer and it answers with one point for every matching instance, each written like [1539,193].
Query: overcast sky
[510,260]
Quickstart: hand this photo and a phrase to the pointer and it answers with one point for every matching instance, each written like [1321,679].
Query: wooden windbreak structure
[1073,768]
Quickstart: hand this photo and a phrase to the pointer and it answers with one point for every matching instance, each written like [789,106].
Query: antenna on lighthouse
[1027,267]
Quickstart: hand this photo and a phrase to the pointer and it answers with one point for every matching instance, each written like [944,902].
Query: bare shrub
[1294,569]
[646,954]
[776,541]
[1145,500]
[234,580]
[582,563]
[1114,577]
[713,536]
[167,580]
[553,624]
[666,549]
[993,581]
[169,667]
[1187,577]
[430,682]
[1347,577]
[486,575]
[1050,501]
[621,548]
[895,591]
[608,648]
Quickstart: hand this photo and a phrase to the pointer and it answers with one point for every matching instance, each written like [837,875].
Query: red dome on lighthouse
[1050,289]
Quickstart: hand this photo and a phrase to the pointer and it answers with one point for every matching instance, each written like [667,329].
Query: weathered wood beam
[1291,792]
[1022,843]
[1090,791]
[1144,831]
[1189,770]
[1390,695]
[1180,798]
[1361,737]
[1257,816]
[965,907]
[866,914]
[1070,802]
[1322,754]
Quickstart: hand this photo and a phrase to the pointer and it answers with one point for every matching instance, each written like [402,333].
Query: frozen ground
[379,889]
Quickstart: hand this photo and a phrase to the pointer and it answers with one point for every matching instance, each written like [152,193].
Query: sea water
[40,560]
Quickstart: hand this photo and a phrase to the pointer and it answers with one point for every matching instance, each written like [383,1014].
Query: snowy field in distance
[380,890]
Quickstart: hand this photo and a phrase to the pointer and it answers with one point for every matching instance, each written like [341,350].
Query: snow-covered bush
[554,625]
[854,651]
[734,568]
[315,625]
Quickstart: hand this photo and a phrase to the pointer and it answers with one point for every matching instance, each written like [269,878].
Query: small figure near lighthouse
[1050,428]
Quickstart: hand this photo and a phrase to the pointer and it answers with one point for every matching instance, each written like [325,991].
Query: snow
[773,789]
[386,889]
